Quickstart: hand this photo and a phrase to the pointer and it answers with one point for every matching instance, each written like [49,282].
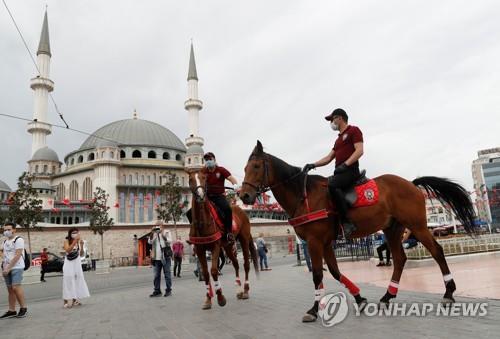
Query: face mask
[7,234]
[210,163]
[334,126]
[74,235]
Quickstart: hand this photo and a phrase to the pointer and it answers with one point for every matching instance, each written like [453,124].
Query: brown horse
[205,234]
[401,204]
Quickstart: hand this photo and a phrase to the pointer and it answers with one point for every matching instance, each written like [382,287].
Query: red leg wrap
[353,289]
[393,287]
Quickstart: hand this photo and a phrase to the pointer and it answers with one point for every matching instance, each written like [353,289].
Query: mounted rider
[215,178]
[347,150]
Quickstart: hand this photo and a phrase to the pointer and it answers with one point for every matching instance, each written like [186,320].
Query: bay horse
[206,233]
[401,204]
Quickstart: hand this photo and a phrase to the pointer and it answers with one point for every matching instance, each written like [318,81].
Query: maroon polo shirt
[344,145]
[215,180]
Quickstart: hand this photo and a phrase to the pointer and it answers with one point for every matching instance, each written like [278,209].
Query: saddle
[363,192]
[218,216]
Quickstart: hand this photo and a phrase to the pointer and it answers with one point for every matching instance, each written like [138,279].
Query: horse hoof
[447,301]
[221,301]
[239,295]
[245,296]
[382,305]
[362,304]
[206,306]
[309,318]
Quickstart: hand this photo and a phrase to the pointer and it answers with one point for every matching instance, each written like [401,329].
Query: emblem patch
[344,137]
[369,194]
[217,175]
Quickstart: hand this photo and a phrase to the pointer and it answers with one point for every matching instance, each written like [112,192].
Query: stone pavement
[278,300]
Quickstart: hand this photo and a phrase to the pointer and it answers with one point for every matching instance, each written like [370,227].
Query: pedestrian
[161,258]
[44,257]
[222,261]
[262,249]
[13,266]
[409,239]
[305,251]
[74,285]
[178,249]
[381,249]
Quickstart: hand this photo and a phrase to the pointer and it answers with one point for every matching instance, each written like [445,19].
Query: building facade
[486,177]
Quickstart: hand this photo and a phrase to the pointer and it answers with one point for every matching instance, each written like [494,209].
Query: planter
[103,266]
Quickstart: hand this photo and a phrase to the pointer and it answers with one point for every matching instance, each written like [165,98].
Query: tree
[100,221]
[171,205]
[25,208]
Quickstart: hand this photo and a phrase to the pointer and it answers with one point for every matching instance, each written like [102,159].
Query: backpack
[26,257]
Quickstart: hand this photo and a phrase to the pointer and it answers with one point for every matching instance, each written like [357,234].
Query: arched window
[91,157]
[60,191]
[136,179]
[53,169]
[166,155]
[178,157]
[124,179]
[112,155]
[73,191]
[149,180]
[136,154]
[80,159]
[189,161]
[87,189]
[152,155]
[130,179]
[102,154]
[45,169]
[154,179]
[36,169]
[142,180]
[122,154]
[72,161]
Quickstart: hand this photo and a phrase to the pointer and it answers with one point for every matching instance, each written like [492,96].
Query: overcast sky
[420,78]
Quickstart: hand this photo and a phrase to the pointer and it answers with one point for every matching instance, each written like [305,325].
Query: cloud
[420,78]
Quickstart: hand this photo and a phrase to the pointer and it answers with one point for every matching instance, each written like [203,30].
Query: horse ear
[259,148]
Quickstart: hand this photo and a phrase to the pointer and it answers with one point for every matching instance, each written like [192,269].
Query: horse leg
[331,262]
[393,236]
[245,249]
[206,276]
[423,235]
[221,300]
[316,253]
[236,265]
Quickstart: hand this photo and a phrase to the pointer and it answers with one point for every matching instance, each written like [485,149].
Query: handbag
[73,254]
[167,250]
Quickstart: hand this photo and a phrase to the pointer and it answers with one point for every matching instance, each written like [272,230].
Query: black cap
[209,155]
[339,112]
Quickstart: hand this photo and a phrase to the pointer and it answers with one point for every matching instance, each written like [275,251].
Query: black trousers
[177,266]
[339,182]
[223,206]
[42,272]
[380,249]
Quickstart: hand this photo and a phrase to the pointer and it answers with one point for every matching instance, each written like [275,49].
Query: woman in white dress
[74,285]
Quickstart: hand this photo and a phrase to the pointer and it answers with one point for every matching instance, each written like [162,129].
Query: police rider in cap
[347,150]
[215,178]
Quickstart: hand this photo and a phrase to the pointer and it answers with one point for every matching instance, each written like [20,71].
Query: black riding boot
[341,205]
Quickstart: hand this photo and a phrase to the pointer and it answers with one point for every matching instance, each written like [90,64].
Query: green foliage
[100,221]
[25,209]
[171,205]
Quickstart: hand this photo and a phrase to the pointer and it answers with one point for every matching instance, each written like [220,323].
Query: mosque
[127,158]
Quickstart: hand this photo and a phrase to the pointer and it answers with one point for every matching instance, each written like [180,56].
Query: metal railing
[356,249]
[459,245]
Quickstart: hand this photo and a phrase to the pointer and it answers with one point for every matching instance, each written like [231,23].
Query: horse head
[198,185]
[256,175]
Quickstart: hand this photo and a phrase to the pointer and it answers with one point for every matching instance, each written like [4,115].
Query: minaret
[194,143]
[42,85]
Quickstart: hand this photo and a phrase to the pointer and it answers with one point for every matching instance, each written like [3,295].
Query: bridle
[263,187]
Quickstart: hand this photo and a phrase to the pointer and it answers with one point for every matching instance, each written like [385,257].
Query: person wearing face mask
[74,285]
[216,176]
[347,151]
[12,249]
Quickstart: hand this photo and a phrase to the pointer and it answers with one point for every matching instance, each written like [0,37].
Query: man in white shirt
[12,249]
[160,240]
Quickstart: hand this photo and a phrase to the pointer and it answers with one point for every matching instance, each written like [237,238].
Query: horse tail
[253,254]
[453,195]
